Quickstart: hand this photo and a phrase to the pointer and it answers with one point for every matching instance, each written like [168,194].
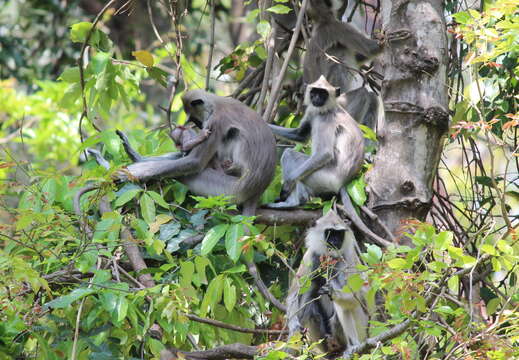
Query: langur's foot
[141,171]
[281,205]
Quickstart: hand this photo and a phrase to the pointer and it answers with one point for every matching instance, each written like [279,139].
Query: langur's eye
[197,102]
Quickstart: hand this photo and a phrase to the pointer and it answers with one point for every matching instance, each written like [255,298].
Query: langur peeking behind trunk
[337,50]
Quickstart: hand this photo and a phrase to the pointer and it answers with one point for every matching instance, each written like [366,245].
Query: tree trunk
[414,92]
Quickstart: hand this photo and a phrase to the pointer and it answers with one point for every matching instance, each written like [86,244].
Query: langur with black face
[339,318]
[233,136]
[337,148]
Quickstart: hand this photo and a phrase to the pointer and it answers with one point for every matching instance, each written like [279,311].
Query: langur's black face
[318,96]
[196,106]
[334,238]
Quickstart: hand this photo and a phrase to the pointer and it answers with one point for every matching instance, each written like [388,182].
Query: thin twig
[268,67]
[248,80]
[78,316]
[253,271]
[211,45]
[153,26]
[293,41]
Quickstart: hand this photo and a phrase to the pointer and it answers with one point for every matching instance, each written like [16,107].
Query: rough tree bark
[414,92]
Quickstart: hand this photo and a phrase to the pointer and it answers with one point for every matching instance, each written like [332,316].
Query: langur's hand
[205,132]
[289,185]
[325,290]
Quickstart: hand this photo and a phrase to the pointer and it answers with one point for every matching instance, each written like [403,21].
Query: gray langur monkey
[337,50]
[239,143]
[339,318]
[337,148]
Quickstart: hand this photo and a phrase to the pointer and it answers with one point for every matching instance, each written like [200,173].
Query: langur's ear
[337,91]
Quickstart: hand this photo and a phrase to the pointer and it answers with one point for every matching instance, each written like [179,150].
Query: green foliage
[57,278]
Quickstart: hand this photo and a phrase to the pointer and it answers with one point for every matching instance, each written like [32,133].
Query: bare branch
[231,351]
[293,41]
[223,325]
[211,45]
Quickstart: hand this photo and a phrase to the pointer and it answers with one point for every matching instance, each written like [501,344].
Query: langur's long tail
[350,212]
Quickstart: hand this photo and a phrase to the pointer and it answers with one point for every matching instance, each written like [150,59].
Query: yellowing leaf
[397,263]
[144,57]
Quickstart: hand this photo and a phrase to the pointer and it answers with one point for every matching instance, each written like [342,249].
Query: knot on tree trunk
[438,117]
[416,61]
[402,107]
[398,35]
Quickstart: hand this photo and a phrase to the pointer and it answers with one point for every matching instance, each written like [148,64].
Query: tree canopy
[92,268]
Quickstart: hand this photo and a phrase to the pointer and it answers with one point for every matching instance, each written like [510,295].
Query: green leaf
[355,283]
[158,246]
[147,208]
[212,237]
[367,132]
[159,75]
[229,294]
[462,17]
[492,305]
[79,31]
[66,300]
[49,190]
[453,284]
[397,263]
[279,9]
[91,141]
[232,244]
[263,28]
[86,261]
[201,263]
[125,197]
[187,269]
[252,15]
[447,310]
[356,189]
[111,141]
[212,296]
[70,75]
[236,269]
[489,249]
[115,304]
[374,254]
[144,57]
[443,239]
[158,199]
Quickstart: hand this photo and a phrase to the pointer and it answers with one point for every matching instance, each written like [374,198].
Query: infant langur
[185,139]
[337,148]
[339,318]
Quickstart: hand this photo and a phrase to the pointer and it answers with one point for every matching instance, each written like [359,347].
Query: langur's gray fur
[337,148]
[336,49]
[325,310]
[238,136]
